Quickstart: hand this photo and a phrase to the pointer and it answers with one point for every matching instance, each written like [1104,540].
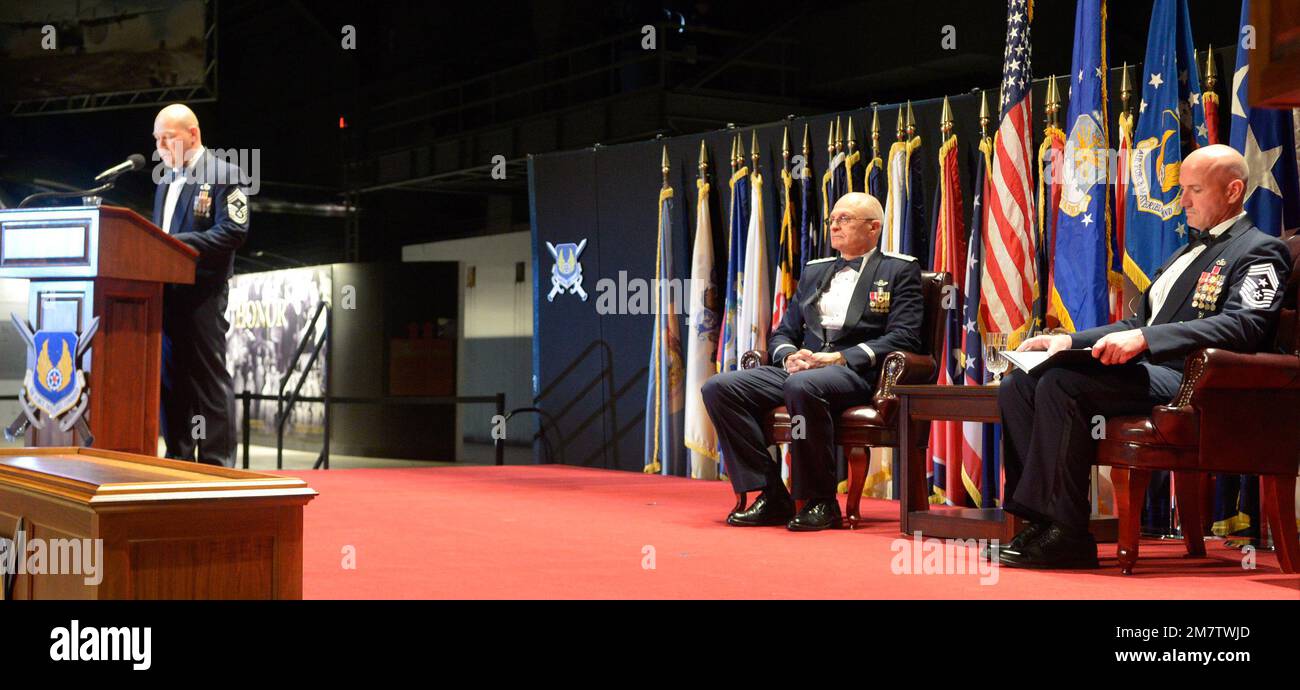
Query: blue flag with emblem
[737,227]
[1080,291]
[1266,137]
[665,449]
[1171,122]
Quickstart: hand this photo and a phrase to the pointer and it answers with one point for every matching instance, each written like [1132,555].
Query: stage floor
[557,532]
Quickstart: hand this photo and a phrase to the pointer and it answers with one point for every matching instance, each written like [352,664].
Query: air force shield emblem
[566,273]
[1152,179]
[54,386]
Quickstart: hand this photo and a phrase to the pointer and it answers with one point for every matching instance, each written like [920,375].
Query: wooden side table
[920,405]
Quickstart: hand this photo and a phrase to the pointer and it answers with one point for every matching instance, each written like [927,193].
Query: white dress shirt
[834,303]
[174,189]
[1160,289]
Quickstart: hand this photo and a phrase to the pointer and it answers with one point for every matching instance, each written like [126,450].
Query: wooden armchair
[872,424]
[1235,413]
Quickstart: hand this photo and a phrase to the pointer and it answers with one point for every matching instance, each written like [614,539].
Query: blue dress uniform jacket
[198,398]
[884,315]
[220,229]
[1228,297]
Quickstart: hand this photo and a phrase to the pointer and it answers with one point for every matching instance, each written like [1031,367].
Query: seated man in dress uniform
[1223,289]
[847,314]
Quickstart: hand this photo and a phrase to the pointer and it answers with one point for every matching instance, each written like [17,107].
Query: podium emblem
[55,387]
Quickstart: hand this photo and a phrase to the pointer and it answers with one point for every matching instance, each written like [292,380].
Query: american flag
[1009,282]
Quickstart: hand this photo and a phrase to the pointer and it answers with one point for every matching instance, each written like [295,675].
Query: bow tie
[1197,237]
[841,262]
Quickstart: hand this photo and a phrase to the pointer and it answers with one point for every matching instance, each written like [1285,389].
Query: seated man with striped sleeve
[847,314]
[1222,289]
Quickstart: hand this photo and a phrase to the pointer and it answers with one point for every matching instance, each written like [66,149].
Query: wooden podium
[111,263]
[168,529]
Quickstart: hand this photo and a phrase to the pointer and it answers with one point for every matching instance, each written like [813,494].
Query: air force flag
[1171,122]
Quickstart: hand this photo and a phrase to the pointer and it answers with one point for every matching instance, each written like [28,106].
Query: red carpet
[552,532]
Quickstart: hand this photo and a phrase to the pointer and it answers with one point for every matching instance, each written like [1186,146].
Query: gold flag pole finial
[1125,88]
[1211,72]
[901,130]
[807,144]
[704,161]
[665,166]
[785,144]
[875,131]
[839,135]
[911,123]
[753,148]
[830,140]
[1053,101]
[985,119]
[945,120]
[733,155]
[853,140]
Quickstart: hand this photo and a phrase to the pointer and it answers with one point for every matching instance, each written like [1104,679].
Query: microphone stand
[78,192]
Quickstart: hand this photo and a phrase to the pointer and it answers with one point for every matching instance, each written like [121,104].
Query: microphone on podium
[133,162]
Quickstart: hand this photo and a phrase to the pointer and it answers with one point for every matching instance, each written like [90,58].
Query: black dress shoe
[817,514]
[1055,548]
[772,507]
[1030,532]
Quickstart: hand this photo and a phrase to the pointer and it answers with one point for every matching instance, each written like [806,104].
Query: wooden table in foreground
[920,405]
[170,529]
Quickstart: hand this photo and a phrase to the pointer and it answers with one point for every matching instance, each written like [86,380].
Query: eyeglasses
[845,218]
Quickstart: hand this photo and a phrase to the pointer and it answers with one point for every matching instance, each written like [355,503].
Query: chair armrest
[754,358]
[904,368]
[901,368]
[1214,369]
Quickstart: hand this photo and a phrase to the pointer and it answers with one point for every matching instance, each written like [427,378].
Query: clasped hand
[807,359]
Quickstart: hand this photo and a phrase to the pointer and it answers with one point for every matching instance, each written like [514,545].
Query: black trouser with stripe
[738,402]
[1048,421]
[198,393]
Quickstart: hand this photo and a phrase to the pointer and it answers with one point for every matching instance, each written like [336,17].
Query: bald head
[1214,185]
[855,224]
[863,204]
[176,134]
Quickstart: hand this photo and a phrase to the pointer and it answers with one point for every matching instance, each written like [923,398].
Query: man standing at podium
[201,203]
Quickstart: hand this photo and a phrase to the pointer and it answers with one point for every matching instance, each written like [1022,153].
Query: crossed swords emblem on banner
[566,272]
[54,389]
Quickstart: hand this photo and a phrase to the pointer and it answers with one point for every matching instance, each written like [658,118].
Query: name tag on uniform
[203,202]
[1208,288]
[878,299]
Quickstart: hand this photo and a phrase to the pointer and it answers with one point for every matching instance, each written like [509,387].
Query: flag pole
[875,132]
[665,166]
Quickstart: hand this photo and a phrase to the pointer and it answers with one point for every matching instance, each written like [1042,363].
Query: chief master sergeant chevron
[847,314]
[200,202]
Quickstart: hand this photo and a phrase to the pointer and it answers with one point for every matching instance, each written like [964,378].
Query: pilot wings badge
[566,273]
[54,387]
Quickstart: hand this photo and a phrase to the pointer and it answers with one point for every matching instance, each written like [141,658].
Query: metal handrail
[282,409]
